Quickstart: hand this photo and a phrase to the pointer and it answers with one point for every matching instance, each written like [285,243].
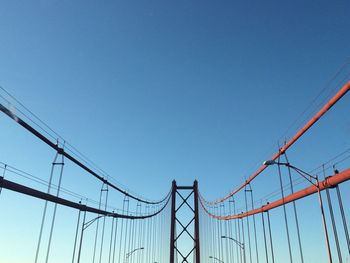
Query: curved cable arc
[6,184]
[299,134]
[329,182]
[71,158]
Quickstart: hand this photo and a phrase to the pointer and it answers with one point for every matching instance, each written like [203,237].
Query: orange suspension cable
[304,129]
[329,182]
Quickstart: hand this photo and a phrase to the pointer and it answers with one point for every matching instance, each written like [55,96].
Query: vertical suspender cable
[231,231]
[126,230]
[81,237]
[243,242]
[156,243]
[239,239]
[334,227]
[220,234]
[138,231]
[216,248]
[161,236]
[269,224]
[130,248]
[76,235]
[144,227]
[211,229]
[227,234]
[212,234]
[248,228]
[265,242]
[343,217]
[155,239]
[295,210]
[237,234]
[111,241]
[115,238]
[141,238]
[151,244]
[45,209]
[97,225]
[103,224]
[148,257]
[121,230]
[254,225]
[285,213]
[218,223]
[55,208]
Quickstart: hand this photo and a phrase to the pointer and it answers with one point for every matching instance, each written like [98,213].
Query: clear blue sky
[159,90]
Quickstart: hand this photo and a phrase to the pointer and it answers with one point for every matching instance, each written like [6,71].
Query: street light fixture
[240,244]
[85,226]
[127,255]
[216,259]
[304,174]
[314,181]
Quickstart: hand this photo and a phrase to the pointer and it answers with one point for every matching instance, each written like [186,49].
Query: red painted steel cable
[329,182]
[300,133]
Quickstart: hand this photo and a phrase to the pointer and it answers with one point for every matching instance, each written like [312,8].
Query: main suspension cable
[299,134]
[60,150]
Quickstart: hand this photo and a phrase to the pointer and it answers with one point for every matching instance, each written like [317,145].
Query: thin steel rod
[265,242]
[81,237]
[243,242]
[334,227]
[115,238]
[76,236]
[97,225]
[295,211]
[55,209]
[103,224]
[270,233]
[248,228]
[254,225]
[285,213]
[324,223]
[111,242]
[343,217]
[45,208]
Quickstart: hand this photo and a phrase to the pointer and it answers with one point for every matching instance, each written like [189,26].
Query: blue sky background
[154,91]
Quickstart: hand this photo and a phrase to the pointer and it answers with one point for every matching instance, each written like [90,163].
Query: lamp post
[127,255]
[85,226]
[216,259]
[314,181]
[239,244]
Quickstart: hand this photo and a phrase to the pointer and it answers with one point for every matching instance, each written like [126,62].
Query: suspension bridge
[184,226]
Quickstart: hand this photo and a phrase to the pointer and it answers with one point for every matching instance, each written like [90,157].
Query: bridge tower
[189,228]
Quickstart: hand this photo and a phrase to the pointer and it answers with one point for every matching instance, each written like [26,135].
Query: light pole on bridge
[315,182]
[85,226]
[239,244]
[127,255]
[219,260]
